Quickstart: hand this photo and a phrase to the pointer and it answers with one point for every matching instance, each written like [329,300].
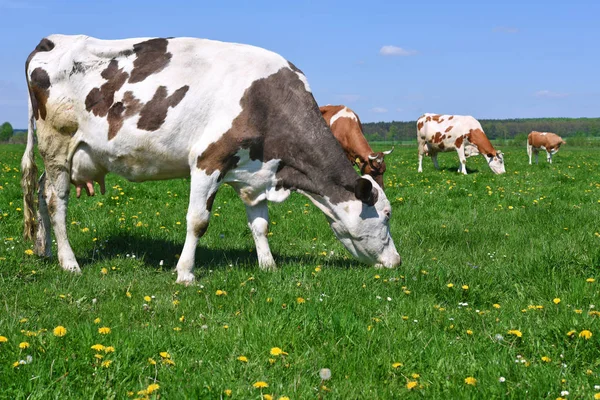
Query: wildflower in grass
[283,398]
[99,356]
[465,287]
[556,300]
[3,339]
[597,396]
[276,351]
[571,333]
[151,361]
[97,320]
[15,364]
[267,397]
[585,334]
[260,385]
[29,252]
[152,388]
[221,293]
[318,268]
[106,363]
[164,354]
[578,311]
[415,375]
[300,300]
[397,365]
[515,332]
[23,345]
[411,384]
[104,271]
[105,330]
[98,347]
[496,305]
[128,294]
[243,359]
[177,329]
[469,380]
[502,379]
[546,359]
[225,326]
[23,320]
[325,374]
[564,393]
[450,285]
[147,299]
[109,349]
[590,280]
[469,332]
[227,392]
[272,361]
[60,331]
[168,361]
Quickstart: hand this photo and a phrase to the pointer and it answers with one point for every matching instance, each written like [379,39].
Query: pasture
[497,296]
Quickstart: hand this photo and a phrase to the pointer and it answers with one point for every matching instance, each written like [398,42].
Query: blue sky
[388,60]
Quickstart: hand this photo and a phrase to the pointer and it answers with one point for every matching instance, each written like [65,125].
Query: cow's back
[347,129]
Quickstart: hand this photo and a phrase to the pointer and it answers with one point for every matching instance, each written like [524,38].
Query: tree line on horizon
[495,129]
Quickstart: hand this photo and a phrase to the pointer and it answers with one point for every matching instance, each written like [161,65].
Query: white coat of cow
[461,133]
[153,108]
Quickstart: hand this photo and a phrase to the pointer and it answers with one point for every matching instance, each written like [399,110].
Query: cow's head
[375,166]
[363,224]
[496,162]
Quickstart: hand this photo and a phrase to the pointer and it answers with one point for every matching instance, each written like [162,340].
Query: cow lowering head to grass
[548,141]
[347,129]
[438,133]
[153,108]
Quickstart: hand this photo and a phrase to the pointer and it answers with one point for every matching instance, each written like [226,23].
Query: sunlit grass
[496,296]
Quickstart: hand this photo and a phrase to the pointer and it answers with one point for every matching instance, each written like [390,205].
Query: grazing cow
[153,108]
[437,133]
[548,141]
[347,129]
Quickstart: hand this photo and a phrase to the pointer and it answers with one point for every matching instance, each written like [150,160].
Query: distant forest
[499,129]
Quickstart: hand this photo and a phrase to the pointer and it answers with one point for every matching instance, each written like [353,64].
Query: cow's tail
[29,173]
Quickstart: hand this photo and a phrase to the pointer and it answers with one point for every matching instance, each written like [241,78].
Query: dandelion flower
[300,300]
[496,305]
[227,392]
[450,285]
[97,320]
[276,351]
[515,332]
[260,385]
[221,293]
[3,339]
[98,347]
[287,398]
[267,397]
[325,374]
[29,252]
[104,271]
[106,363]
[397,365]
[168,361]
[556,300]
[105,330]
[164,354]
[470,381]
[411,384]
[109,349]
[243,359]
[465,287]
[585,334]
[151,361]
[571,333]
[152,388]
[23,345]
[147,299]
[546,359]
[590,280]
[60,331]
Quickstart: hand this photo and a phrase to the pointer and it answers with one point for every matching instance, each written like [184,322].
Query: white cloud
[506,29]
[348,98]
[379,110]
[548,94]
[396,51]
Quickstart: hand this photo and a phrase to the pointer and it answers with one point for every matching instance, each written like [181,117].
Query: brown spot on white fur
[152,57]
[154,113]
[448,129]
[99,100]
[459,141]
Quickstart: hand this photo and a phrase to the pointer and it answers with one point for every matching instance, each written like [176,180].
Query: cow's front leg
[57,185]
[463,160]
[434,159]
[202,194]
[43,240]
[258,221]
[549,157]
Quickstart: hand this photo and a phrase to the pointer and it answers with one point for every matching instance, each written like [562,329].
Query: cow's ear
[363,190]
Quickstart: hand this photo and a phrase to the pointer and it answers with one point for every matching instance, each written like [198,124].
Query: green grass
[518,241]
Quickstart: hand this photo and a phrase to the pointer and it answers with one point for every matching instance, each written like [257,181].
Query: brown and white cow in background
[153,108]
[439,133]
[347,129]
[548,141]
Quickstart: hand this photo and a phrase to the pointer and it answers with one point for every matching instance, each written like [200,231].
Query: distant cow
[550,142]
[347,129]
[438,133]
[153,108]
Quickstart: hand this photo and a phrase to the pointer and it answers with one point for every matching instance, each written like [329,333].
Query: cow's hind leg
[43,240]
[258,222]
[202,194]
[434,159]
[463,160]
[529,151]
[549,156]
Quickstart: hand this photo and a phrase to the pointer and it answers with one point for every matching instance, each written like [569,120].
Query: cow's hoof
[382,266]
[71,267]
[185,278]
[267,266]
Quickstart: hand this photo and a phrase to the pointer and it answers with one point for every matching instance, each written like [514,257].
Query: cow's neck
[478,138]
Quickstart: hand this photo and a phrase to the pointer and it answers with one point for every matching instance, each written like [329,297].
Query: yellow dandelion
[585,334]
[260,385]
[177,329]
[109,349]
[515,332]
[276,351]
[415,376]
[104,271]
[98,347]
[469,380]
[243,359]
[556,300]
[397,365]
[227,392]
[221,293]
[182,318]
[496,305]
[147,299]
[571,333]
[151,361]
[60,331]
[546,359]
[168,361]
[450,285]
[29,252]
[23,345]
[105,330]
[97,320]
[283,398]
[164,354]
[15,364]
[272,361]
[469,332]
[23,320]
[300,300]
[152,388]
[465,287]
[99,356]
[597,396]
[411,384]
[106,363]
[3,339]
[128,294]
[267,397]
[590,280]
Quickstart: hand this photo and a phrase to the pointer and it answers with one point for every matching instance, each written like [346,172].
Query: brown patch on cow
[428,118]
[200,228]
[120,111]
[44,45]
[39,89]
[154,113]
[437,137]
[329,111]
[210,201]
[459,141]
[448,129]
[550,140]
[152,57]
[477,138]
[420,125]
[452,116]
[52,204]
[100,100]
[441,146]
[437,118]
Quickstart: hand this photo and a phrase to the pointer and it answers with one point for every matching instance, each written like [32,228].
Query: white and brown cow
[153,108]
[548,141]
[347,129]
[438,133]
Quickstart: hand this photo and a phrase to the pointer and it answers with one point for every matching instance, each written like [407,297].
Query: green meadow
[497,296]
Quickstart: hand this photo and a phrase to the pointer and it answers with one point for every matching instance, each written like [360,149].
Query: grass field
[497,296]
